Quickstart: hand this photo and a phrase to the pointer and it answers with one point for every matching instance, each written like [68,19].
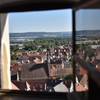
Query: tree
[89,54]
[65,77]
[40,50]
[82,46]
[13,48]
[43,42]
[69,77]
[14,57]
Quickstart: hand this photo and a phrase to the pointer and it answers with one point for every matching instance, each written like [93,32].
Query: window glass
[41,50]
[87,41]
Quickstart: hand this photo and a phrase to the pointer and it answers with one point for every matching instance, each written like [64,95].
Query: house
[61,88]
[22,85]
[37,60]
[33,56]
[53,85]
[48,85]
[80,88]
[51,51]
[23,59]
[34,71]
[94,61]
[38,71]
[15,72]
[98,54]
[82,77]
[60,71]
[56,63]
[13,63]
[32,85]
[67,64]
[14,87]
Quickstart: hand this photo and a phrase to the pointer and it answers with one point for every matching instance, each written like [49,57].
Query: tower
[48,64]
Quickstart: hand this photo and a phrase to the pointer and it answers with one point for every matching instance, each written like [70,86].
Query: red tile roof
[13,62]
[14,87]
[16,68]
[33,54]
[82,79]
[34,71]
[37,60]
[35,85]
[36,55]
[27,85]
[67,83]
[82,71]
[61,71]
[80,88]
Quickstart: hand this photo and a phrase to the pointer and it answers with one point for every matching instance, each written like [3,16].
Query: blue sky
[40,21]
[54,20]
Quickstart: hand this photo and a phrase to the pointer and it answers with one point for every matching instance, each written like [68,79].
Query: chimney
[18,69]
[17,75]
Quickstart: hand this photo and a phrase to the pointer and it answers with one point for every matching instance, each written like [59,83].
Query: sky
[41,21]
[88,19]
[54,20]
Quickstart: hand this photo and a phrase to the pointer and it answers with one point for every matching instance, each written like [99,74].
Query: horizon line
[56,31]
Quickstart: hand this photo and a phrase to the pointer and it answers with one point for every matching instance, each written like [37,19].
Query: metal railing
[92,72]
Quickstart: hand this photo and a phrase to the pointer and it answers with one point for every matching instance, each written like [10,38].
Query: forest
[41,43]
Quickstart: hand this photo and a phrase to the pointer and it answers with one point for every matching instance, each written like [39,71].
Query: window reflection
[87,41]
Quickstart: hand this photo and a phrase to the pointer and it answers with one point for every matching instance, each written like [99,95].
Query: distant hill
[88,32]
[41,34]
[55,34]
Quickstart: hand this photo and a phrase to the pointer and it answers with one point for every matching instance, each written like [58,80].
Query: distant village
[34,71]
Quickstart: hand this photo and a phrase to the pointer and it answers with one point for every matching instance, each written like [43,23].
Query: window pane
[87,40]
[41,50]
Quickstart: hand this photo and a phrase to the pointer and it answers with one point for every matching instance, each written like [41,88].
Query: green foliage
[44,43]
[20,50]
[65,77]
[89,54]
[14,57]
[13,48]
[82,46]
[39,50]
[94,37]
[71,60]
[16,49]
